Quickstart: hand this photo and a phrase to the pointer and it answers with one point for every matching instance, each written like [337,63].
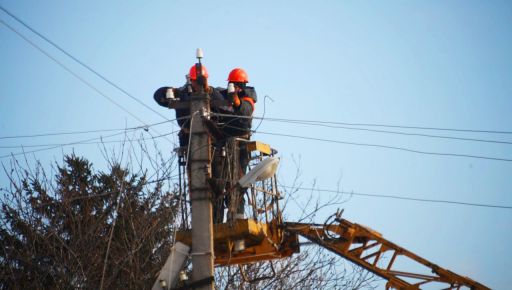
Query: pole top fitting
[199,54]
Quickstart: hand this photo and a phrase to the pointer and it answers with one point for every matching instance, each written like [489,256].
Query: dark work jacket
[181,114]
[233,126]
[183,94]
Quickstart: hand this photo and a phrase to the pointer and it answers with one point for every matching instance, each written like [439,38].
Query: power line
[391,132]
[377,146]
[399,197]
[333,125]
[70,71]
[85,142]
[59,145]
[402,197]
[76,75]
[70,133]
[90,131]
[82,63]
[390,126]
[387,147]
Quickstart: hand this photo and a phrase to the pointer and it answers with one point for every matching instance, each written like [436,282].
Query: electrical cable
[394,132]
[59,146]
[90,131]
[81,63]
[379,146]
[85,142]
[264,110]
[391,126]
[388,147]
[402,197]
[76,75]
[66,133]
[326,124]
[71,72]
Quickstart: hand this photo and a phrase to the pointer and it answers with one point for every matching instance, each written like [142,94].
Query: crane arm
[368,249]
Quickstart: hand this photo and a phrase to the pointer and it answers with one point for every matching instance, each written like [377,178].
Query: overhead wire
[81,63]
[264,110]
[390,126]
[402,197]
[332,125]
[87,143]
[145,127]
[60,145]
[72,72]
[269,119]
[386,196]
[387,147]
[393,132]
[378,146]
[63,133]
[76,75]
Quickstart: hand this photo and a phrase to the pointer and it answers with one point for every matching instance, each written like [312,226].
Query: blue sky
[443,64]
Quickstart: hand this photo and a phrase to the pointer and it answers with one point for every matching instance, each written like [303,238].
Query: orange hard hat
[193,72]
[238,75]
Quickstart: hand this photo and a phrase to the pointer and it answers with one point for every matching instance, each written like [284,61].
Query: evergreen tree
[84,230]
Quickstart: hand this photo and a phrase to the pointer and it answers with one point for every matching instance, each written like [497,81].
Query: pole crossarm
[368,249]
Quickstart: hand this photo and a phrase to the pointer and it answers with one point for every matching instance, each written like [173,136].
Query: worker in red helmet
[242,97]
[197,81]
[236,122]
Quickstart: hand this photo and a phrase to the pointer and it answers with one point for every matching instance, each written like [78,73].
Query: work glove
[170,94]
[233,95]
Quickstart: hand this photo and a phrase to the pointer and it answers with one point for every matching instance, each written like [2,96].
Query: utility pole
[200,195]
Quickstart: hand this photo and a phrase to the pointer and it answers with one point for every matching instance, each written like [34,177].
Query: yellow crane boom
[366,248]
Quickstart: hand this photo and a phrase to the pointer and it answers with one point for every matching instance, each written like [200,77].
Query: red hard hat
[238,75]
[193,72]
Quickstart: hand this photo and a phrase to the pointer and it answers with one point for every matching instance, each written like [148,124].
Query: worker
[242,98]
[198,81]
[236,123]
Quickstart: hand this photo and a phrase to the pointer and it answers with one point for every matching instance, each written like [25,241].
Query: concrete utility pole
[200,171]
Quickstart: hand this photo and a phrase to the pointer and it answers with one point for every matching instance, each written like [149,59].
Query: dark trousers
[229,164]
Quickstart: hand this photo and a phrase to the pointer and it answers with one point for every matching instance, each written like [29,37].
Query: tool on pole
[201,80]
